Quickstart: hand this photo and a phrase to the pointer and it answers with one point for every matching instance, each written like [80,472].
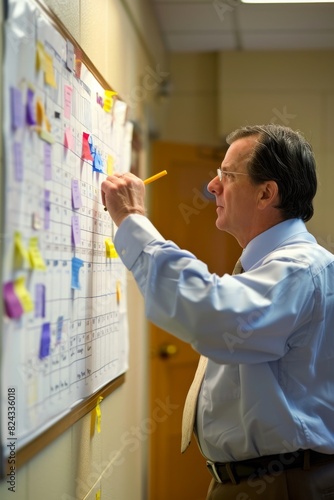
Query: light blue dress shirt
[268,334]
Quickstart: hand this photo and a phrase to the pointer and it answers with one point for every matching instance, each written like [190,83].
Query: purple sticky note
[44,348]
[47,207]
[76,196]
[76,233]
[13,306]
[18,161]
[39,300]
[76,266]
[16,107]
[30,108]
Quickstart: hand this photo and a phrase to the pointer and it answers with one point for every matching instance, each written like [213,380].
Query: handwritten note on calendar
[64,327]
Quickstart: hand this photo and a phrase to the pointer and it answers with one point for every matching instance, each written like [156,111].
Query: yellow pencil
[151,179]
[155,177]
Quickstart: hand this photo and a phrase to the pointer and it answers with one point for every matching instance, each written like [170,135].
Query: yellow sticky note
[98,414]
[110,165]
[110,249]
[35,257]
[23,295]
[40,56]
[118,291]
[98,495]
[21,256]
[108,100]
[49,75]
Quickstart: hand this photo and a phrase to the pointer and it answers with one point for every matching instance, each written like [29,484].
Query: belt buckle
[212,468]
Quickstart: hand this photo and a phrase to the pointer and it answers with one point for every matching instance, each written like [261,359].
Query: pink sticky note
[68,139]
[76,233]
[76,195]
[67,101]
[13,306]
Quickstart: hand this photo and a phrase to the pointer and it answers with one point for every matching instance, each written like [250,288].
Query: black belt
[270,464]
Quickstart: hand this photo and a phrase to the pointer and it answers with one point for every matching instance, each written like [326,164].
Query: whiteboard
[64,329]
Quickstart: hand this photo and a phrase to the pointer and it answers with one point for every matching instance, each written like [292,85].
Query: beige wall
[122,40]
[214,94]
[290,88]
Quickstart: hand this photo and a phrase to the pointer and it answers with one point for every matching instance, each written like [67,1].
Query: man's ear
[268,195]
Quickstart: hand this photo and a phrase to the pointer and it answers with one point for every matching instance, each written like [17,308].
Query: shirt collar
[273,238]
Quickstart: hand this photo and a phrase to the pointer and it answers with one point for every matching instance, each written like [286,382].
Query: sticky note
[40,113]
[47,208]
[110,249]
[68,138]
[76,195]
[30,108]
[77,61]
[60,322]
[49,76]
[67,101]
[76,266]
[110,165]
[98,495]
[44,348]
[98,162]
[98,414]
[21,256]
[16,108]
[40,56]
[18,161]
[39,300]
[46,136]
[86,153]
[118,291]
[69,55]
[35,256]
[108,100]
[12,304]
[76,232]
[23,295]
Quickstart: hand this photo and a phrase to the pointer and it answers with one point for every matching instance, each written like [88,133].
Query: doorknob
[167,350]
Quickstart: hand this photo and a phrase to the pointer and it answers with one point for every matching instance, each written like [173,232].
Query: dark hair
[283,155]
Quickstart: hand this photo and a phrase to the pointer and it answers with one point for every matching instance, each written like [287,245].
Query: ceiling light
[287,1]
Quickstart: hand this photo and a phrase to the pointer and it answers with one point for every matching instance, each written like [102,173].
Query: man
[264,417]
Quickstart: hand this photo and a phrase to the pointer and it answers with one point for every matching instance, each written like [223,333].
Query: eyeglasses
[224,174]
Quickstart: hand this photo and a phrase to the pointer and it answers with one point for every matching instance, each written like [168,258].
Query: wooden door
[183,211]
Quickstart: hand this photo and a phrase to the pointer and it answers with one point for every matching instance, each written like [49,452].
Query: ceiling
[217,25]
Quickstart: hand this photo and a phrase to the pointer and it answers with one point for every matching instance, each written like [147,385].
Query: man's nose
[214,186]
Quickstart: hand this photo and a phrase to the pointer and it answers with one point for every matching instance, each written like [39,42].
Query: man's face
[236,196]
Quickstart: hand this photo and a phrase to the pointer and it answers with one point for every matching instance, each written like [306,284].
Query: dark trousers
[316,483]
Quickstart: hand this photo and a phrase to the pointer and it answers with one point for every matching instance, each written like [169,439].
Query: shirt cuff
[132,236]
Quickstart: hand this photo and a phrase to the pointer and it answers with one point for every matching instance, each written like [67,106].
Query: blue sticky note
[16,107]
[44,349]
[98,162]
[76,266]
